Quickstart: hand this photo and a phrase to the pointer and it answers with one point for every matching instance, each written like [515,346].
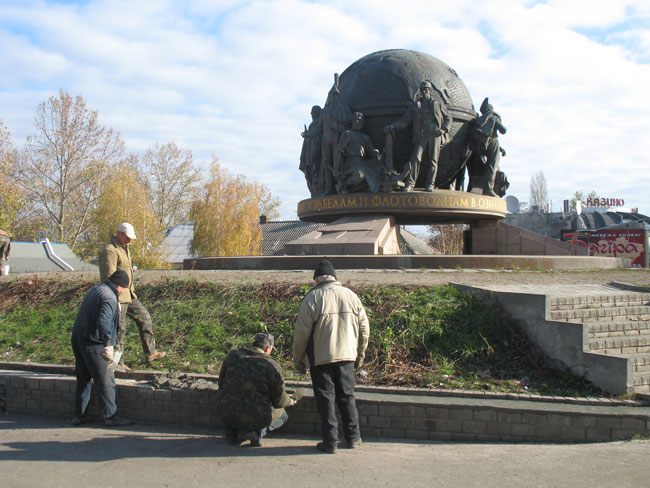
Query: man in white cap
[114,256]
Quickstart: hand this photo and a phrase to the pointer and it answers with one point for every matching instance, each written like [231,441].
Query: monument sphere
[381,85]
[395,136]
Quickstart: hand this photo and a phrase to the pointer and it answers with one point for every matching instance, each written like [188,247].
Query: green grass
[420,336]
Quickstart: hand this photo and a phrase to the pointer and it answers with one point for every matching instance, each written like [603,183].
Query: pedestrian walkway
[37,452]
[582,289]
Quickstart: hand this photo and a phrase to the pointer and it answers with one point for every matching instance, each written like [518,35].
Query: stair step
[621,345]
[641,363]
[602,330]
[641,379]
[604,314]
[599,301]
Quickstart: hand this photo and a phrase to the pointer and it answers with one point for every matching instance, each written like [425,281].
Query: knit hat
[120,278]
[324,268]
[264,339]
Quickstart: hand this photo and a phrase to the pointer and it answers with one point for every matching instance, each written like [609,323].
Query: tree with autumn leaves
[11,200]
[73,180]
[226,214]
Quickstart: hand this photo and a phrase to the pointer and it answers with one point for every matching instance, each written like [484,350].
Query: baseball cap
[127,229]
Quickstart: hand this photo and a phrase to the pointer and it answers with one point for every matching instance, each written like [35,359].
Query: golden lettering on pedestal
[402,203]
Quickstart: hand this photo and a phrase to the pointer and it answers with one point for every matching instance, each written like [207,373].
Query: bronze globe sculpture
[381,85]
[400,123]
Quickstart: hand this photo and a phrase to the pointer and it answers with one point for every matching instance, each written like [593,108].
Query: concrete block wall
[490,237]
[382,415]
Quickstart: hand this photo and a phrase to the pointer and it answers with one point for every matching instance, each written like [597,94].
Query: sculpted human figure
[430,121]
[335,119]
[485,145]
[311,151]
[359,164]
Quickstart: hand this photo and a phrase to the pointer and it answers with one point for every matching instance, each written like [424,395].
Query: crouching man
[251,396]
[93,339]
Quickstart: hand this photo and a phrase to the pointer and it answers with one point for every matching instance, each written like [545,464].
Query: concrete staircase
[601,332]
[615,325]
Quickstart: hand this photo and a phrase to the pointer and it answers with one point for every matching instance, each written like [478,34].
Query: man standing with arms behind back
[115,255]
[5,249]
[332,331]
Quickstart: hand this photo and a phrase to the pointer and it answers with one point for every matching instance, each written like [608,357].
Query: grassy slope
[422,336]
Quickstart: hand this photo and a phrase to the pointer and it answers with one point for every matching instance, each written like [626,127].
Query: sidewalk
[42,452]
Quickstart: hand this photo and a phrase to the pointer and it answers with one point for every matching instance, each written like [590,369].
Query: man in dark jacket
[251,396]
[93,339]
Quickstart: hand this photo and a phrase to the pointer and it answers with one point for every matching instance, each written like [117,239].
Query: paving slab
[45,452]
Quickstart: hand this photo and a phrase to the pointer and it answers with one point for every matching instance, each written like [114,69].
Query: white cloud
[238,79]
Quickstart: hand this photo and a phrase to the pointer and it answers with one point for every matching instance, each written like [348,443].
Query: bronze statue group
[338,157]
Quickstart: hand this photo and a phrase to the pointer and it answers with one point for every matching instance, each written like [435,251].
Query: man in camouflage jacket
[251,396]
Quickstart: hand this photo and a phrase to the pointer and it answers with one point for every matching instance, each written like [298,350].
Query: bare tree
[172,179]
[447,238]
[539,191]
[62,166]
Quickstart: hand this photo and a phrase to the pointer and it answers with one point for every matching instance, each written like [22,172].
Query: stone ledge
[149,375]
[386,415]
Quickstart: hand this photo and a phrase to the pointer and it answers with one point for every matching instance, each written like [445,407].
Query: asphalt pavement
[44,452]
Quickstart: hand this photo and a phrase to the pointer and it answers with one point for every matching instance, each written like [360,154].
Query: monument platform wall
[407,262]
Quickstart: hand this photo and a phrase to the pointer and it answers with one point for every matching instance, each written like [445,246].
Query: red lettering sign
[618,243]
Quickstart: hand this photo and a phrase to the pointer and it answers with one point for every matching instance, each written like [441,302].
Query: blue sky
[237,79]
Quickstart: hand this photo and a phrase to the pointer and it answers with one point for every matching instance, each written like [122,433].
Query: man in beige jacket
[331,334]
[115,255]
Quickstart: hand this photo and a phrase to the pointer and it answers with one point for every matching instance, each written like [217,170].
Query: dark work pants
[229,430]
[91,367]
[136,311]
[334,385]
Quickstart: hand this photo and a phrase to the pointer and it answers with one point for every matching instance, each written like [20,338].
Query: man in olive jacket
[331,336]
[251,396]
[115,255]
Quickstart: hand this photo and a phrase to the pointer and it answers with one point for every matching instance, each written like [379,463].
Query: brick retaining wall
[382,415]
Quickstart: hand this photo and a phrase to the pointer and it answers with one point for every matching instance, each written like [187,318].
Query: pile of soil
[182,381]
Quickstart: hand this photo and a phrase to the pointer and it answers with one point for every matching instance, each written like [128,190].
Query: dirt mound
[182,381]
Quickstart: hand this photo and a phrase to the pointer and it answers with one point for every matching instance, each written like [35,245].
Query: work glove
[107,353]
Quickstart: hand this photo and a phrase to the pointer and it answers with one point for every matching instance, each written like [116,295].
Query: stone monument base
[349,236]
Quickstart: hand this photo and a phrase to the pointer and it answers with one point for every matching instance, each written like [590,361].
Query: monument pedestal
[407,208]
[350,236]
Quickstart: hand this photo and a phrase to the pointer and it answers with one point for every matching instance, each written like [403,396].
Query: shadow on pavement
[96,443]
